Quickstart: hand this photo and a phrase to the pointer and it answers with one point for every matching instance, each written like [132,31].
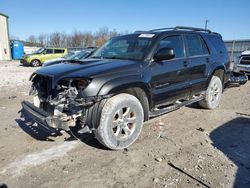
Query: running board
[177,105]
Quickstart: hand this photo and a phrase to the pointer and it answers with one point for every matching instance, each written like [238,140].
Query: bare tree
[75,39]
[42,39]
[32,39]
[101,36]
[55,39]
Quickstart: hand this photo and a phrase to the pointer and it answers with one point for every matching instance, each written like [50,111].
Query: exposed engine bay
[64,103]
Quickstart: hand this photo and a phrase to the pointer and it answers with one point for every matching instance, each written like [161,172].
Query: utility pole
[206,22]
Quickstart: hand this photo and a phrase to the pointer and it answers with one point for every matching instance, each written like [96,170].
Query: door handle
[185,63]
[207,60]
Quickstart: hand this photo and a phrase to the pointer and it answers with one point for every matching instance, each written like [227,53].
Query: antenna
[206,22]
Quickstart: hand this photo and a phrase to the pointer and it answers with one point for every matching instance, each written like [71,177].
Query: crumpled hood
[88,68]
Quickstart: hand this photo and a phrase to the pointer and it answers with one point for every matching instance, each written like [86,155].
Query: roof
[1,14]
[179,29]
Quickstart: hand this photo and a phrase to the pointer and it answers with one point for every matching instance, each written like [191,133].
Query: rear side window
[49,51]
[174,42]
[59,51]
[217,44]
[196,45]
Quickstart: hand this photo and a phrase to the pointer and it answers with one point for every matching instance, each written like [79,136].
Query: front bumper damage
[236,79]
[60,105]
[60,120]
[43,118]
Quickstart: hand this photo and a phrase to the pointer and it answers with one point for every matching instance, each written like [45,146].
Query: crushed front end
[59,105]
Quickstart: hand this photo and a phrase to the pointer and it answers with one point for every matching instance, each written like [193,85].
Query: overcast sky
[26,17]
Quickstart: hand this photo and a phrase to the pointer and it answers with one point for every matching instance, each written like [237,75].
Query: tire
[121,122]
[35,63]
[213,94]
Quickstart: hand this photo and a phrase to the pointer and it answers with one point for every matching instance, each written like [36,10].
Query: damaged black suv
[130,79]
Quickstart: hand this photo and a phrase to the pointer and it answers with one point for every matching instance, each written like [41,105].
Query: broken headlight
[79,83]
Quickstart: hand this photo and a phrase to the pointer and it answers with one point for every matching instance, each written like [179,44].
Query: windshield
[133,47]
[68,55]
[40,50]
[79,55]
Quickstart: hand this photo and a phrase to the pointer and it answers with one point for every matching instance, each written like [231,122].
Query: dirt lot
[213,147]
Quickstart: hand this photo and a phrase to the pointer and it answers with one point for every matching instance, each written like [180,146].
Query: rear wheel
[121,122]
[213,94]
[35,63]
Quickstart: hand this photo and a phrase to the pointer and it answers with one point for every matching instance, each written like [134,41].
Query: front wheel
[213,94]
[121,122]
[35,63]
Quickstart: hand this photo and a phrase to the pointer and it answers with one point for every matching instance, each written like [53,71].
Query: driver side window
[174,42]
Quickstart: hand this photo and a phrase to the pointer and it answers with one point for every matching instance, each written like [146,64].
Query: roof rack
[182,28]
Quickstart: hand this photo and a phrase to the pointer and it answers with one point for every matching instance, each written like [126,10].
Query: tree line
[76,39]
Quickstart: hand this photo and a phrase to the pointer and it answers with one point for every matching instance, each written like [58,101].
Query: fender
[215,68]
[123,83]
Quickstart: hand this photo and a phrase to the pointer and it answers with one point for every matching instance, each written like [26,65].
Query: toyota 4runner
[130,79]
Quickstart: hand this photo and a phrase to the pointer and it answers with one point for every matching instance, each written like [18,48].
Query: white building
[5,53]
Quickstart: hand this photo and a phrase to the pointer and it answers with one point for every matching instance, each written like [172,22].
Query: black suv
[130,79]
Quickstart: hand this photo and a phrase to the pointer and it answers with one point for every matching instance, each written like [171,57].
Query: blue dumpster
[17,50]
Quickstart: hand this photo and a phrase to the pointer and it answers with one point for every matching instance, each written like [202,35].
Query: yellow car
[43,54]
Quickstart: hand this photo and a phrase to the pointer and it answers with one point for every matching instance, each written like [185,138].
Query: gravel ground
[190,147]
[14,74]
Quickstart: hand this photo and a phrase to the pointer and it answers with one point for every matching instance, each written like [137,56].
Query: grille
[245,60]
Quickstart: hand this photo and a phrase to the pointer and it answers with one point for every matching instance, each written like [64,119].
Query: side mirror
[164,54]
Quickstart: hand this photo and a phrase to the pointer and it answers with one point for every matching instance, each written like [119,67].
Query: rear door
[170,79]
[198,60]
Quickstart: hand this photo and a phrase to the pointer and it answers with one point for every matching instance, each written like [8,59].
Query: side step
[177,105]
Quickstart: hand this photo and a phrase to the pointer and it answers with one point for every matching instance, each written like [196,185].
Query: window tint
[49,51]
[217,44]
[59,51]
[174,42]
[196,45]
[124,47]
[204,46]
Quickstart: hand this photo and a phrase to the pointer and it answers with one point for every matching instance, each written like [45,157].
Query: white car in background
[244,62]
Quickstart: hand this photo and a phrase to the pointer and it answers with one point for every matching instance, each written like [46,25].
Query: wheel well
[142,96]
[219,73]
[36,59]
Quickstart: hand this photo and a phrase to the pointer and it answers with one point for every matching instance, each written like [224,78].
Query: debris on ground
[182,171]
[12,97]
[156,180]
[158,159]
[242,114]
[200,129]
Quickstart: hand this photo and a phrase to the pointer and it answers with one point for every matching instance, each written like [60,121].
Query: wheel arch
[218,71]
[138,89]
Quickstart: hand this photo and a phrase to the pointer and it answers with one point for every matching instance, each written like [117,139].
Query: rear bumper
[43,118]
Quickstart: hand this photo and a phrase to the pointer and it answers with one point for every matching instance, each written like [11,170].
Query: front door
[170,79]
[48,54]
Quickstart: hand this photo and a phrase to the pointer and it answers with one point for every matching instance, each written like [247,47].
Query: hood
[89,68]
[30,55]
